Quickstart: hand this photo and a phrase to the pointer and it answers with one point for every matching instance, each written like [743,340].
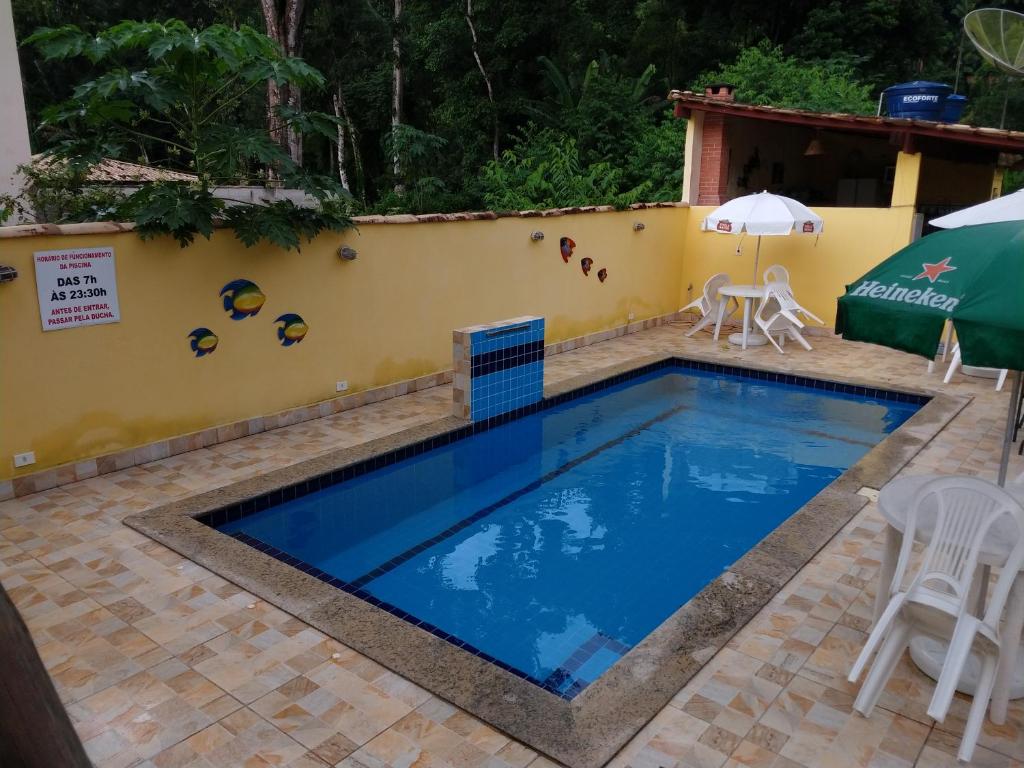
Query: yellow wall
[853,241]
[907,179]
[82,392]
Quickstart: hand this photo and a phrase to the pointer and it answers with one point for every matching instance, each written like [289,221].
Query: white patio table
[748,293]
[928,653]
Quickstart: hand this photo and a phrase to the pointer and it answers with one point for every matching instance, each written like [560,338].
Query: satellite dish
[998,35]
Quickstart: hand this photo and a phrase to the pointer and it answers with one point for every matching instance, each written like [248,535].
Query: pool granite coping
[590,729]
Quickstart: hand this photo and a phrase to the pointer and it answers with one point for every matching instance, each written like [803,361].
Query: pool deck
[162,663]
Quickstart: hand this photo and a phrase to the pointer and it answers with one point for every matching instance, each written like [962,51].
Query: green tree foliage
[547,169]
[171,94]
[49,81]
[821,54]
[420,190]
[764,75]
[891,40]
[544,170]
[600,138]
[601,108]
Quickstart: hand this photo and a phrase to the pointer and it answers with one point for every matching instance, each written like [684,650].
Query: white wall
[14,146]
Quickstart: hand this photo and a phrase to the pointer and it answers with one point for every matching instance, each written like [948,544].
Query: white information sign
[77,286]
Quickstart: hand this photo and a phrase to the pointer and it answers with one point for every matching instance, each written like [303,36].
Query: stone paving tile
[940,752]
[163,664]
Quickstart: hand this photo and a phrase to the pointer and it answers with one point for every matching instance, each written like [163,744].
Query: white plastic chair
[939,600]
[783,289]
[710,303]
[776,316]
[957,362]
[776,273]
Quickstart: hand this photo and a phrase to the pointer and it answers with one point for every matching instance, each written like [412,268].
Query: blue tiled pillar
[499,367]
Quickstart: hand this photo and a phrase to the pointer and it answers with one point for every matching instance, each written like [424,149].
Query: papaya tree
[185,99]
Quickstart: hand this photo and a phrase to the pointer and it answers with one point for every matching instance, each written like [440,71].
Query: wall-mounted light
[639,226]
[815,148]
[537,235]
[7,274]
[346,253]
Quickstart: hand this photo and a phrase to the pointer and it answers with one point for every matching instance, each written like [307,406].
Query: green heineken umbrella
[973,276]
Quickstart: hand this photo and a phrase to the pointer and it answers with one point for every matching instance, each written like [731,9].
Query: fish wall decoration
[292,330]
[566,245]
[586,263]
[203,341]
[602,274]
[242,298]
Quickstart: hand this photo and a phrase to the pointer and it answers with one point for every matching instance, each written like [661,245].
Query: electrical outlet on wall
[630,316]
[24,459]
[341,386]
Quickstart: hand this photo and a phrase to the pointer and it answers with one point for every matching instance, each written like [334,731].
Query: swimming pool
[586,730]
[552,544]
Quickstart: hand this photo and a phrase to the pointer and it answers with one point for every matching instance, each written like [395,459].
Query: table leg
[721,316]
[1008,652]
[890,553]
[746,320]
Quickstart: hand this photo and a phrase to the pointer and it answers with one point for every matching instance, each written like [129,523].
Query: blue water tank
[953,109]
[918,100]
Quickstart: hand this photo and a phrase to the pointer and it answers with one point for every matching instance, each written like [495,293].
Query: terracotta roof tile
[1010,141]
[110,171]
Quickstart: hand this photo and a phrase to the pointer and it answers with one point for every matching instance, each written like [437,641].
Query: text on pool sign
[76,286]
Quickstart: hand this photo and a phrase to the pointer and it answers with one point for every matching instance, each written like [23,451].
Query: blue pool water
[556,542]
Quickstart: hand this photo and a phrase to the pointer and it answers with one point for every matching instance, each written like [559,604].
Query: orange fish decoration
[602,274]
[586,263]
[566,245]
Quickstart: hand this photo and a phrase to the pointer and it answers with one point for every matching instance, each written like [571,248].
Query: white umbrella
[1007,208]
[763,214]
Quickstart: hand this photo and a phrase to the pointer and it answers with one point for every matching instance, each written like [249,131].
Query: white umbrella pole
[1011,422]
[757,255]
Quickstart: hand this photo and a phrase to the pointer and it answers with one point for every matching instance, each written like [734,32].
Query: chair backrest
[777,298]
[776,273]
[964,510]
[783,294]
[710,298]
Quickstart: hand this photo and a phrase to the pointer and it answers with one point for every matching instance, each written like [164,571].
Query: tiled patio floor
[162,663]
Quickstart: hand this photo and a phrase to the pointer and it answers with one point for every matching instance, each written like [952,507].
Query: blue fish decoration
[242,298]
[203,341]
[293,329]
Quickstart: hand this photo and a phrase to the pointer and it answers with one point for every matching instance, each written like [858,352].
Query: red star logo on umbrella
[932,271]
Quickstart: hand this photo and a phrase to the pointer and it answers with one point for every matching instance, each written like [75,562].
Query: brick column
[714,161]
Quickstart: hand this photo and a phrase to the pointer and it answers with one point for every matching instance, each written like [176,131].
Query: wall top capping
[110,227]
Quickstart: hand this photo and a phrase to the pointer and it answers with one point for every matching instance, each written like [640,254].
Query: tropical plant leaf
[283,223]
[180,210]
[183,103]
[309,123]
